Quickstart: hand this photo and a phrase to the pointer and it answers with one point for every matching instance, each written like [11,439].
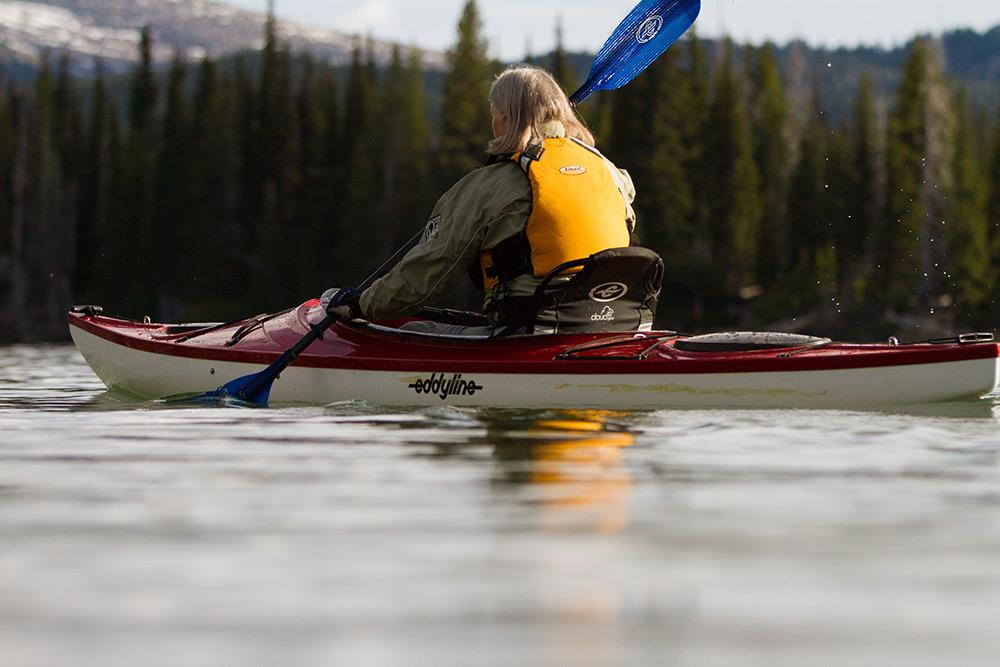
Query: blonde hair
[528,97]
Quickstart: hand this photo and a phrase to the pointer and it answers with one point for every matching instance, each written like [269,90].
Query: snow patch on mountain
[110,30]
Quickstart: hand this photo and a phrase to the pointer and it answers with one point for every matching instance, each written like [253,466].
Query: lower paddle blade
[645,34]
[249,390]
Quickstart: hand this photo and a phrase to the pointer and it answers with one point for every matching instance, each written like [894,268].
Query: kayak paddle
[255,390]
[645,34]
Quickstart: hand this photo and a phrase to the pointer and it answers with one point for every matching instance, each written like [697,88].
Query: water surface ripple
[361,535]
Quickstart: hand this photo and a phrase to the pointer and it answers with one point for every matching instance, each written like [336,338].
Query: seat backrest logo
[650,28]
[606,315]
[608,292]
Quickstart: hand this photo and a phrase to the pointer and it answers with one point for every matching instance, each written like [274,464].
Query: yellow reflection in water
[576,464]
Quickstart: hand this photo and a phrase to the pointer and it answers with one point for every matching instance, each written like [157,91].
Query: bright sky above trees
[513,24]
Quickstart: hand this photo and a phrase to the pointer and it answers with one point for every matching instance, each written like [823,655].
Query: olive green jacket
[489,205]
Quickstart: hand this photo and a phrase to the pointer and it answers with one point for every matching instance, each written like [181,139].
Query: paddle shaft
[317,331]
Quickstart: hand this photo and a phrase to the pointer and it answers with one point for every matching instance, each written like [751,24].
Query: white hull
[150,375]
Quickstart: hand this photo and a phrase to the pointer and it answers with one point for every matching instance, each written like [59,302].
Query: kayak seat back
[614,290]
[748,341]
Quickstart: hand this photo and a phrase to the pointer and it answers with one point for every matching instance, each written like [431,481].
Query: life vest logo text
[442,386]
[573,171]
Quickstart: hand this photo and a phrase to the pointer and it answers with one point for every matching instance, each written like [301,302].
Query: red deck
[363,348]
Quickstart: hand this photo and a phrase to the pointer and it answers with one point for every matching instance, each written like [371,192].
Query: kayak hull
[354,364]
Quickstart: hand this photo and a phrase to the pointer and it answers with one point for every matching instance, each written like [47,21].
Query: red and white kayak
[381,364]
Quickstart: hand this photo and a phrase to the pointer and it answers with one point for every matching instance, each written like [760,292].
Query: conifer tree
[61,245]
[94,175]
[6,201]
[358,239]
[465,110]
[630,121]
[45,237]
[809,214]
[666,206]
[249,192]
[770,120]
[220,253]
[733,191]
[132,236]
[318,114]
[417,187]
[968,238]
[279,241]
[845,239]
[392,141]
[407,198]
[867,202]
[18,184]
[993,210]
[919,168]
[174,208]
[111,221]
[562,68]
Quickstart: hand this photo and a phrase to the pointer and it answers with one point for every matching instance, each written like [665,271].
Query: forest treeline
[229,188]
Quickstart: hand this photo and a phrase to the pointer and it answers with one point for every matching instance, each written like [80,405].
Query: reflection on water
[357,534]
[573,462]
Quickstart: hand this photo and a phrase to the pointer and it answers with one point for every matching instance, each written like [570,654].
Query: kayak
[384,364]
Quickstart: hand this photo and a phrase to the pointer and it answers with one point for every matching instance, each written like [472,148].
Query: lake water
[357,535]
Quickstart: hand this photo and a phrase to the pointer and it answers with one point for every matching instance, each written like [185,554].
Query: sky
[513,25]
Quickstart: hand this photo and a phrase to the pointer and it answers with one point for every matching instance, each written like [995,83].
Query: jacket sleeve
[451,241]
[627,188]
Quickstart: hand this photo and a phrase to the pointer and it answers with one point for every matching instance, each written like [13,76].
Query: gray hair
[528,97]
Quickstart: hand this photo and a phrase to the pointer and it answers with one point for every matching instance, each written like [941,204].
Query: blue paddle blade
[247,391]
[645,34]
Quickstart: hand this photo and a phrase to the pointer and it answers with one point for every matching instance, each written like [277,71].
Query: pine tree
[94,175]
[318,112]
[359,235]
[44,239]
[418,194]
[65,134]
[110,216]
[562,68]
[7,136]
[770,120]
[846,246]
[465,110]
[630,121]
[132,236]
[218,254]
[19,205]
[392,144]
[867,202]
[919,164]
[809,215]
[174,207]
[734,203]
[279,243]
[968,233]
[406,198]
[993,214]
[665,208]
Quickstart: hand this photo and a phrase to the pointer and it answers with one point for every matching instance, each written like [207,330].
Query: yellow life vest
[576,210]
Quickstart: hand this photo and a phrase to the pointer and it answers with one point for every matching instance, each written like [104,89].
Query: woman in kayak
[546,197]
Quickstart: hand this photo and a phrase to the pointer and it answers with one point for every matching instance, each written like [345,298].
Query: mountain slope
[109,29]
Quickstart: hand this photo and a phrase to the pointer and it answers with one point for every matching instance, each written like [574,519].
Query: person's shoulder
[493,179]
